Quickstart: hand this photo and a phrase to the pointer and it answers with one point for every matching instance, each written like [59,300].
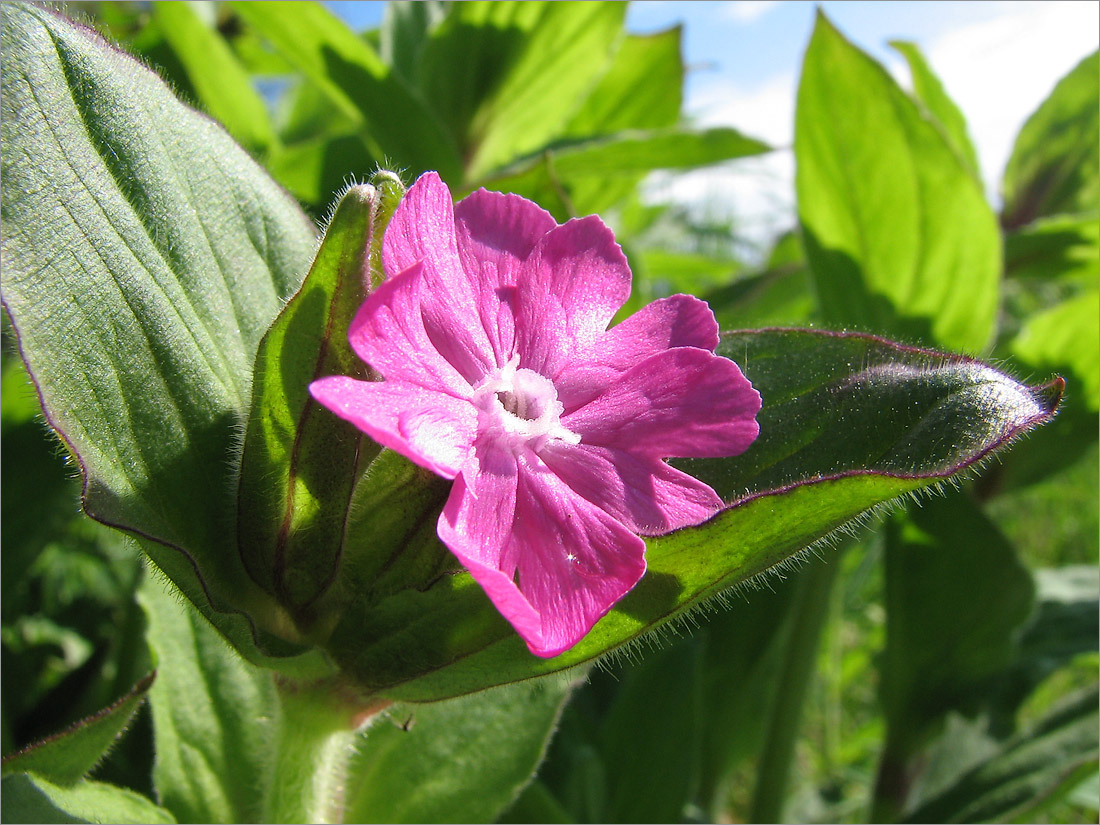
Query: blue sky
[997,58]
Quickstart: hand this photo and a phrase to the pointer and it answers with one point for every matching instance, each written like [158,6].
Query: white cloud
[747,11]
[1000,70]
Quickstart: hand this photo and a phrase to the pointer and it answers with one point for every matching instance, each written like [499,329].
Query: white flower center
[521,406]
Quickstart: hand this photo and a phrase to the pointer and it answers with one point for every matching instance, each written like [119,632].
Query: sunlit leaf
[898,234]
[394,121]
[929,91]
[1064,247]
[559,60]
[1066,337]
[221,83]
[1054,167]
[642,89]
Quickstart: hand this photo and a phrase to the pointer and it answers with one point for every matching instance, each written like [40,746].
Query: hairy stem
[317,735]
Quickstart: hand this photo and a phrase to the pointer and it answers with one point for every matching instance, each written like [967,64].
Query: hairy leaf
[212,716]
[849,422]
[71,754]
[144,255]
[29,798]
[405,769]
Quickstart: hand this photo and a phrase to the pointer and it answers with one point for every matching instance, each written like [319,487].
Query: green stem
[815,587]
[316,739]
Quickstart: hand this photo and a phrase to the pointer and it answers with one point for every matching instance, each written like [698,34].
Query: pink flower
[491,332]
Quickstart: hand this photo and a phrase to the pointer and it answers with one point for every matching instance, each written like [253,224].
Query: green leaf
[29,798]
[71,754]
[650,740]
[212,716]
[1054,166]
[561,58]
[642,89]
[1033,767]
[848,422]
[1063,247]
[930,92]
[629,153]
[223,87]
[1066,337]
[140,300]
[405,28]
[395,122]
[898,234]
[406,769]
[1064,626]
[298,467]
[956,598]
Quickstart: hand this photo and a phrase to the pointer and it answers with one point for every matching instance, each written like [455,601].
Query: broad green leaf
[1063,247]
[1066,336]
[466,55]
[29,798]
[630,153]
[1054,167]
[1032,768]
[144,255]
[71,754]
[956,598]
[930,92]
[406,769]
[849,422]
[213,716]
[650,739]
[561,58]
[395,122]
[405,27]
[298,463]
[642,89]
[633,152]
[221,83]
[1064,626]
[898,234]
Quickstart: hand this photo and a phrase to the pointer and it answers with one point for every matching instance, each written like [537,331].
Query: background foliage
[938,666]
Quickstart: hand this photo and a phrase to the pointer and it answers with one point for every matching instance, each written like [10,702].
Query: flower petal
[676,321]
[567,293]
[495,233]
[388,332]
[642,492]
[574,561]
[682,402]
[422,231]
[430,428]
